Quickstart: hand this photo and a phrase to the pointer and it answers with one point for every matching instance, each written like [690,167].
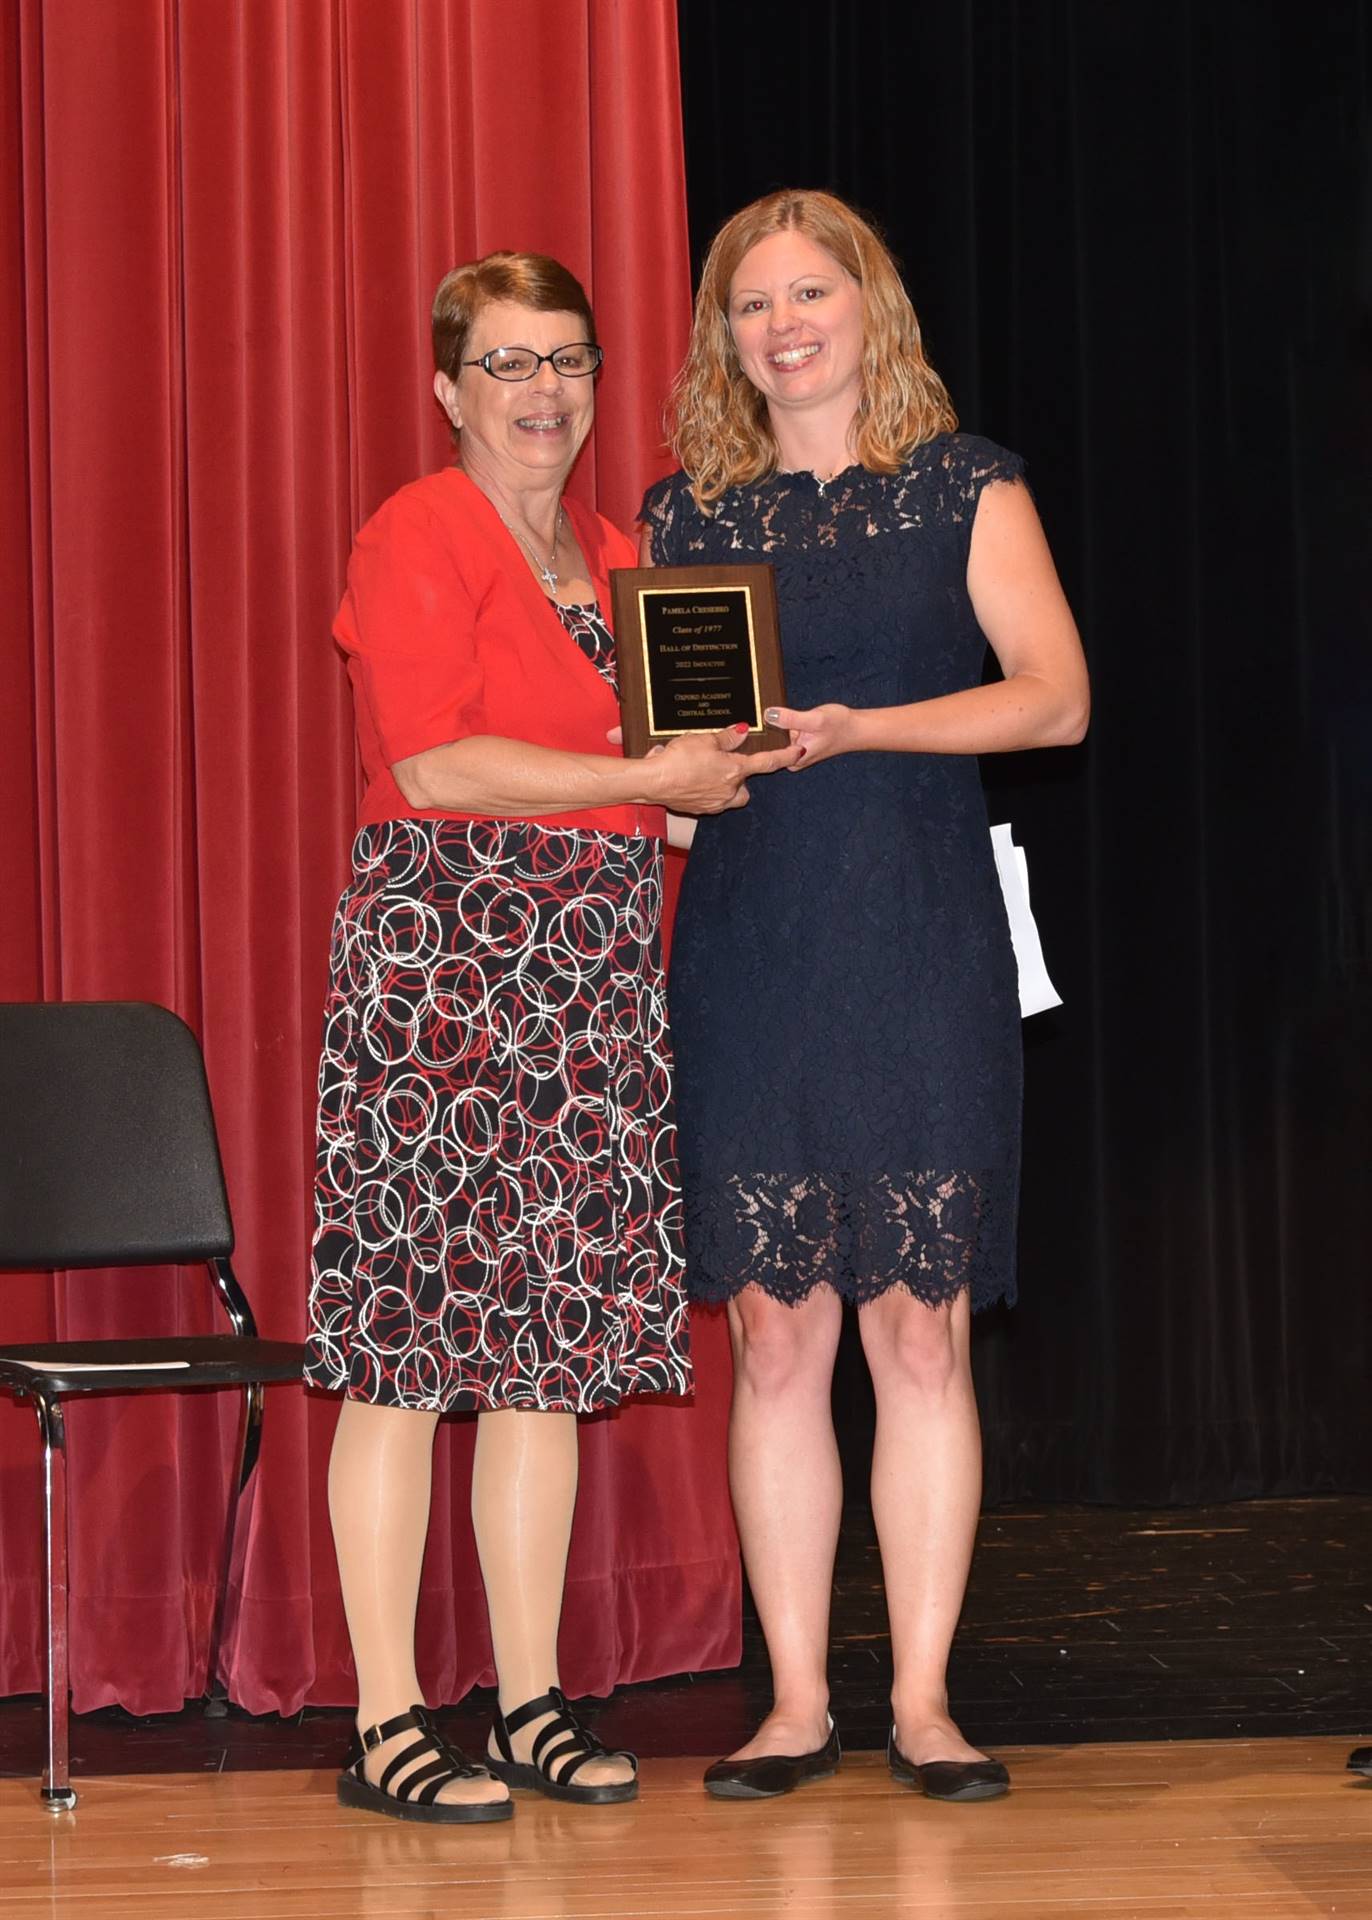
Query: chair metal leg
[252,1433]
[240,1317]
[216,1696]
[58,1794]
[232,1298]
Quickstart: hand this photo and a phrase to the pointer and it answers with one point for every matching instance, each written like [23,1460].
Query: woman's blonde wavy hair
[719,426]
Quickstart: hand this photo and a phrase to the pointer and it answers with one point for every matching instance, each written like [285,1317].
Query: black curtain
[1140,242]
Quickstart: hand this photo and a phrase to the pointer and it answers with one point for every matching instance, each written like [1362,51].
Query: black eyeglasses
[574,361]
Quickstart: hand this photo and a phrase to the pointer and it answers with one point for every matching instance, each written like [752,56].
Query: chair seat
[94,1366]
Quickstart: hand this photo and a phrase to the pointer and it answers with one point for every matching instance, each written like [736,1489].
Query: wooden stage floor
[1176,1694]
[1191,1830]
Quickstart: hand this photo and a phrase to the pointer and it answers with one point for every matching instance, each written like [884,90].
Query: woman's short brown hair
[720,430]
[532,279]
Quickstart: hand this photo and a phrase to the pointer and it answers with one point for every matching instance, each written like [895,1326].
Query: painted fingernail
[771,716]
[741,726]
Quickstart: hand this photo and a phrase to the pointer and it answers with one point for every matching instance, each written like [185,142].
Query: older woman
[843,989]
[497,1204]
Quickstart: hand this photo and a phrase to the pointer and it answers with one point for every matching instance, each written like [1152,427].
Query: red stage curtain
[220,227]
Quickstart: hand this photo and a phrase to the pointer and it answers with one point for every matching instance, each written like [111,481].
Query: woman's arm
[507,778]
[699,773]
[1044,699]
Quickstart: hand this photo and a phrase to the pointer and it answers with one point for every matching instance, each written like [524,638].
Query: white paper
[1036,990]
[95,1366]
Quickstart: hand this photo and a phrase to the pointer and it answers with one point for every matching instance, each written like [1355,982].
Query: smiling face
[519,432]
[796,319]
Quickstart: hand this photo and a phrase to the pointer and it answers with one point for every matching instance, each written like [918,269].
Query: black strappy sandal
[559,1749]
[416,1798]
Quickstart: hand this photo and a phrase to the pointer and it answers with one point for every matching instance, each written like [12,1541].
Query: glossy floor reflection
[1170,1831]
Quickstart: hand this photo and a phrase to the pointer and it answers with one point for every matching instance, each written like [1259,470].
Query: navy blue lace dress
[843,994]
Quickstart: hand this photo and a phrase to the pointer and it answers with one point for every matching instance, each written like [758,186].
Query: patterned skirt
[498,1215]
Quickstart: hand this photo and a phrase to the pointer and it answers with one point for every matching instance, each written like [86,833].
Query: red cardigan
[448,634]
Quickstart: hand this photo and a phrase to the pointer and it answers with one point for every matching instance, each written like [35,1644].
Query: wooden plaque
[697,649]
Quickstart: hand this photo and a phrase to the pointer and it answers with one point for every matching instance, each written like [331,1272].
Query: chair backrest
[108,1153]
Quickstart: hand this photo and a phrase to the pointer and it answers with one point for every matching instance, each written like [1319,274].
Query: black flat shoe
[949,1779]
[772,1773]
[1360,1761]
[559,1750]
[416,1796]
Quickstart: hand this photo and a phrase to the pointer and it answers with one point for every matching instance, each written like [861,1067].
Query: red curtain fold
[220,227]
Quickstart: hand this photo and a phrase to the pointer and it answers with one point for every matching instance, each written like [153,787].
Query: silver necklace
[821,480]
[547,570]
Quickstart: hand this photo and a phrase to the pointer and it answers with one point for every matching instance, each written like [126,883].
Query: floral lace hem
[938,1233]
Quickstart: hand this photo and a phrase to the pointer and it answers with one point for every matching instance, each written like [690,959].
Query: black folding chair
[109,1158]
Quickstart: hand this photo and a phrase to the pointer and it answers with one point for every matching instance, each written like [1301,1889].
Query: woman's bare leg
[926,1497]
[788,1497]
[523,1496]
[379,1478]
